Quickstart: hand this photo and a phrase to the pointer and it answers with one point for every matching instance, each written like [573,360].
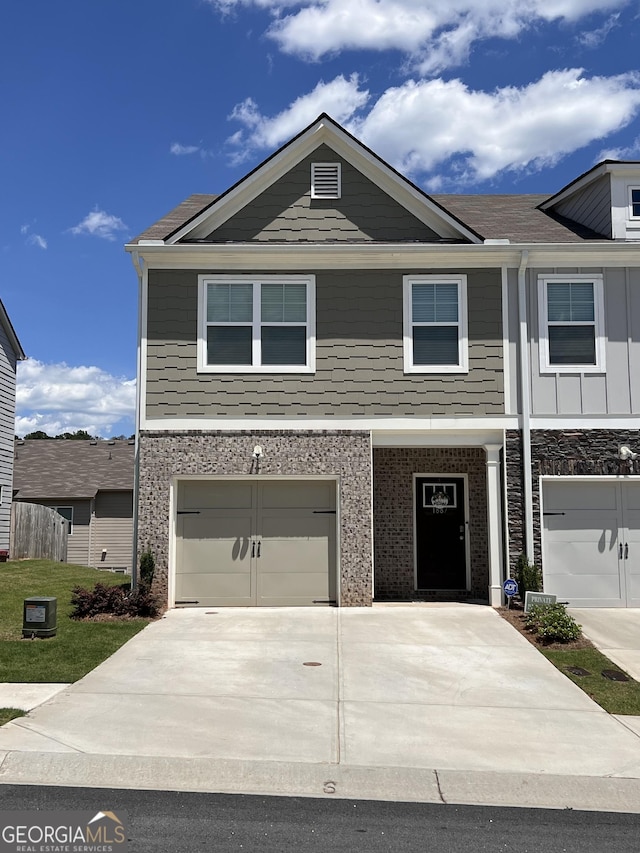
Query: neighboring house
[342,380]
[90,483]
[11,353]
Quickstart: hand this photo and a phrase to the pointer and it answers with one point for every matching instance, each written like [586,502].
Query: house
[11,353]
[90,483]
[342,381]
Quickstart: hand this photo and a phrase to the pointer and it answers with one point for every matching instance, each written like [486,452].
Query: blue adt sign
[510,588]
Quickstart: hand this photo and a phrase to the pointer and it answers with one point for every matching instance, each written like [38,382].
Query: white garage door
[591,542]
[249,543]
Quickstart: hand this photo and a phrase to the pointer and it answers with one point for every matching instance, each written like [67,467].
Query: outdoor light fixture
[257,451]
[625,453]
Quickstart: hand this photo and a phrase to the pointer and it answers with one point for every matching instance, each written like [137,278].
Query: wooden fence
[37,532]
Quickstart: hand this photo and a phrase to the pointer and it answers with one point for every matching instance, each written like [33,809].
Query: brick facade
[347,455]
[393,516]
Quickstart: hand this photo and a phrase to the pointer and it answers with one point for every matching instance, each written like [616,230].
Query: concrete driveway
[398,702]
[616,632]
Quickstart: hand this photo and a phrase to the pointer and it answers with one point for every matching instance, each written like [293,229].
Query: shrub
[552,624]
[147,568]
[113,601]
[527,576]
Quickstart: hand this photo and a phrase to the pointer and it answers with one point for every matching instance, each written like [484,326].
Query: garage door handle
[620,552]
[253,549]
[259,546]
[626,551]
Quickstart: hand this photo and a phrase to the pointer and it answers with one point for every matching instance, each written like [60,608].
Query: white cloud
[340,98]
[58,398]
[99,223]
[594,38]
[437,34]
[37,240]
[629,152]
[471,135]
[180,150]
[24,229]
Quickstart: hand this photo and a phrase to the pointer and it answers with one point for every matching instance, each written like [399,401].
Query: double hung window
[435,324]
[260,324]
[571,315]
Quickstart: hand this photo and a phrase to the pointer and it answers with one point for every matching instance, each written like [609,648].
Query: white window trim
[338,167]
[630,189]
[463,338]
[309,367]
[598,307]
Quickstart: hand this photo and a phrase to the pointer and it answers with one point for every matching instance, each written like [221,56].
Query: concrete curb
[460,787]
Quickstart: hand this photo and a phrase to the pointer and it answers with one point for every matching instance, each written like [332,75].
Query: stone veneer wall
[393,470]
[579,452]
[344,454]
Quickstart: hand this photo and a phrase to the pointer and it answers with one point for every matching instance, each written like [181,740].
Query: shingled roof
[176,218]
[515,218]
[71,469]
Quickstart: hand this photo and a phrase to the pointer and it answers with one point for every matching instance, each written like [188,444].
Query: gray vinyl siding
[78,544]
[7,432]
[112,530]
[359,356]
[590,207]
[285,212]
[616,392]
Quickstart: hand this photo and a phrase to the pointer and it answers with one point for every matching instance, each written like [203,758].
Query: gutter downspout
[136,465]
[525,392]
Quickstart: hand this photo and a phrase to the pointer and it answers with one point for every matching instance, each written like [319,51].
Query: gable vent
[325,180]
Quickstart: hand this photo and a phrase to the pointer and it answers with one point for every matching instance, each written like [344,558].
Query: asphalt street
[222,823]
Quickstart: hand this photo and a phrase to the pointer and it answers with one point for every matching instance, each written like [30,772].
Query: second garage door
[591,555]
[256,543]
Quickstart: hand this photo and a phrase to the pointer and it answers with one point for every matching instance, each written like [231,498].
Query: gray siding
[359,356]
[591,206]
[7,432]
[78,543]
[616,392]
[286,211]
[112,531]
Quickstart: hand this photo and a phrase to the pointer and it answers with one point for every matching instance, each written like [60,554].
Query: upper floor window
[634,202]
[260,324]
[435,324]
[571,316]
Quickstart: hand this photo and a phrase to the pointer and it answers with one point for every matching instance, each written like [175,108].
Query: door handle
[620,552]
[626,550]
[253,548]
[259,546]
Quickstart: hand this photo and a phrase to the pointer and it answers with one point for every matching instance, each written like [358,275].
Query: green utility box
[40,616]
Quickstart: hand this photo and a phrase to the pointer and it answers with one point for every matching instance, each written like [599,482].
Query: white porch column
[494,522]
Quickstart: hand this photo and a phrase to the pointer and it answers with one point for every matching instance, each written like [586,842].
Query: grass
[616,697]
[8,714]
[78,647]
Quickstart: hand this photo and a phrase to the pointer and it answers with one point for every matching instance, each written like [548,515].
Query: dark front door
[441,549]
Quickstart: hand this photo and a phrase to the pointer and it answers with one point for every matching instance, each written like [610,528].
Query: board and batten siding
[7,432]
[359,355]
[616,392]
[285,212]
[112,531]
[590,206]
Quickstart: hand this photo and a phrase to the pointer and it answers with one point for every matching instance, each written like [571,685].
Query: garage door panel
[214,588]
[578,496]
[211,494]
[299,494]
[288,589]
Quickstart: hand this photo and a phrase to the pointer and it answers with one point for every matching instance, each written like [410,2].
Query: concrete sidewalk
[412,702]
[616,632]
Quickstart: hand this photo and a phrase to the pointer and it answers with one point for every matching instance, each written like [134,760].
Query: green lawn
[614,696]
[8,714]
[78,646]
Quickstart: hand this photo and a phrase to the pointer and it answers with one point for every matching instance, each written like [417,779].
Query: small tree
[527,576]
[147,568]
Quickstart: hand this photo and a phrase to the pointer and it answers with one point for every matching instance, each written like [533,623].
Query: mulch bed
[515,616]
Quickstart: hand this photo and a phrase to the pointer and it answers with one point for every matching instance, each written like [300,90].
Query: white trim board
[395,426]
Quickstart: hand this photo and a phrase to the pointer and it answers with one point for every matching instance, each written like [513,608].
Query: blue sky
[113,111]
